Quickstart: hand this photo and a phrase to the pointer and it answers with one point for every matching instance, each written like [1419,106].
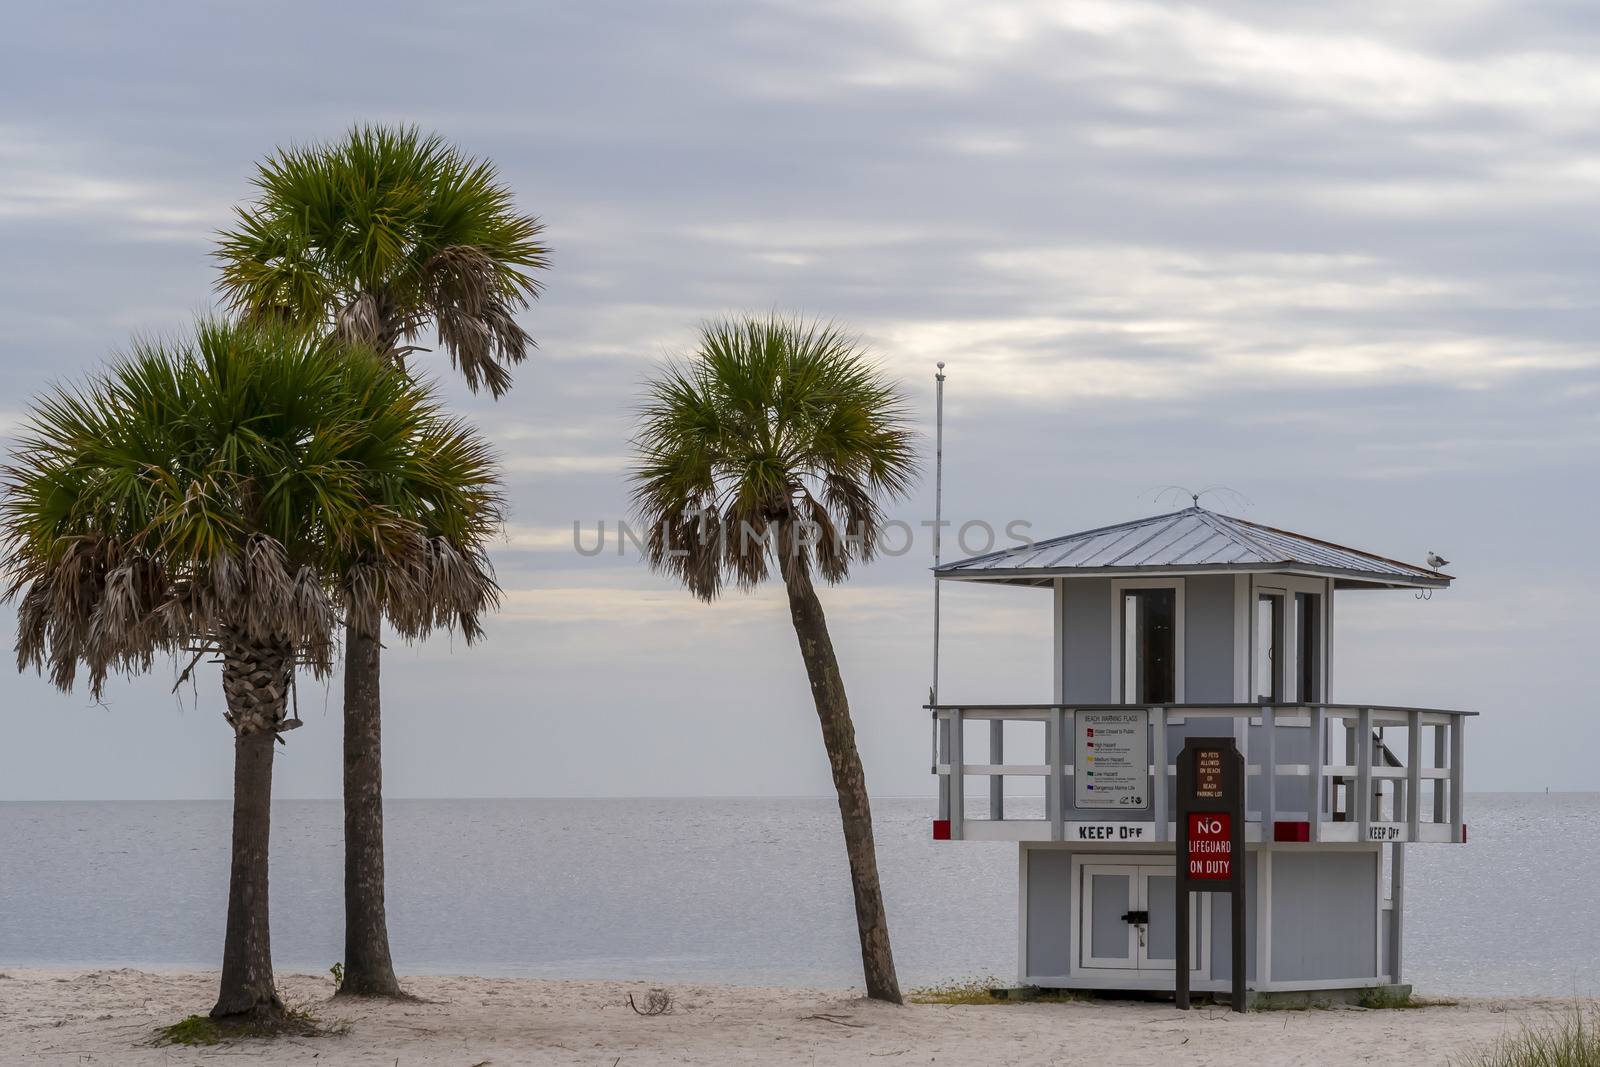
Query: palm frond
[250,484]
[381,234]
[474,309]
[776,442]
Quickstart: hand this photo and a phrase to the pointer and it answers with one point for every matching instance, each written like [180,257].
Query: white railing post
[1364,773]
[958,779]
[1314,779]
[1158,767]
[1269,767]
[1440,810]
[1055,738]
[1397,911]
[997,782]
[1350,760]
[941,755]
[1458,752]
[1241,740]
[1413,778]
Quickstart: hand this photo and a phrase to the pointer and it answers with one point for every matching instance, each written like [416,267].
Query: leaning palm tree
[373,239]
[235,495]
[774,446]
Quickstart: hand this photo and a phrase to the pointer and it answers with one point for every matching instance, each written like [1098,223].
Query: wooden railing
[1314,772]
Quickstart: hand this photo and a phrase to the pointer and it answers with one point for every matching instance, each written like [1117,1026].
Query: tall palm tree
[374,238]
[237,494]
[774,446]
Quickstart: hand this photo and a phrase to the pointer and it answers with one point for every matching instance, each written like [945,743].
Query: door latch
[1136,918]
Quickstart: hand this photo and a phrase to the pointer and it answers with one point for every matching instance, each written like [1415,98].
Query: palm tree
[236,494]
[373,239]
[774,445]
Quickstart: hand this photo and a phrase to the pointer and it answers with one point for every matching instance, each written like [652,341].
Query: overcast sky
[1340,258]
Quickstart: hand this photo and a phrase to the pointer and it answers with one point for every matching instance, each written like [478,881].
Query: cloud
[1339,256]
[44,181]
[529,463]
[1167,45]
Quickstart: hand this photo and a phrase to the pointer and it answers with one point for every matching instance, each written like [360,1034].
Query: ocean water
[742,891]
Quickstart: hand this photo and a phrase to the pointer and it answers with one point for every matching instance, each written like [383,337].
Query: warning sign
[1208,774]
[1210,845]
[1113,760]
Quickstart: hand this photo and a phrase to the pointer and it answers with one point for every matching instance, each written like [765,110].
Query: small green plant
[337,970]
[1569,1039]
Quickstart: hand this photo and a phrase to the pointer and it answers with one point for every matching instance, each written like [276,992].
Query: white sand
[107,1018]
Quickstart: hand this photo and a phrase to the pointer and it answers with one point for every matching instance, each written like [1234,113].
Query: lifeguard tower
[1197,624]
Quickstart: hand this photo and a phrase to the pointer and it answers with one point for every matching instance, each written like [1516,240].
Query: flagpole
[938,515]
[941,732]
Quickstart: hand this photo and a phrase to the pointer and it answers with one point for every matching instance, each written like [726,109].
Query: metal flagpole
[938,516]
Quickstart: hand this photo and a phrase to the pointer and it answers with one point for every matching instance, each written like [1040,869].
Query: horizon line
[636,796]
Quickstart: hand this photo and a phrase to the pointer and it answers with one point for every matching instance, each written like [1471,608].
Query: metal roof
[1193,540]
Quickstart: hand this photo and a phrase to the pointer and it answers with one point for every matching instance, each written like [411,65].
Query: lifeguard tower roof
[1192,541]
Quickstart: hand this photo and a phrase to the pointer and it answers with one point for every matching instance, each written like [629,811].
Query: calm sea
[743,891]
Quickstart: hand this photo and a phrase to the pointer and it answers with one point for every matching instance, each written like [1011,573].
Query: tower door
[1159,947]
[1127,921]
[1110,926]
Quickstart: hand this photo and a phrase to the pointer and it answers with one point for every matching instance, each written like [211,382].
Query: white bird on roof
[1436,561]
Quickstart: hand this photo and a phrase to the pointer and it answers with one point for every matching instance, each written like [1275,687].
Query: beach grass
[958,991]
[1569,1039]
[1380,998]
[987,989]
[202,1030]
[1387,1000]
[984,990]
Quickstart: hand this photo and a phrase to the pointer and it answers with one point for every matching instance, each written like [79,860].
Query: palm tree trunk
[849,780]
[368,969]
[255,682]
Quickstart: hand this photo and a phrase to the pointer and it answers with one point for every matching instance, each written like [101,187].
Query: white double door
[1128,920]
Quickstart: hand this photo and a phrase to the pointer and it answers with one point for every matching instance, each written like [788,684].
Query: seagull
[1436,561]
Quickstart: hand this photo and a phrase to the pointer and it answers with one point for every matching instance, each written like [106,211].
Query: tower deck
[1405,785]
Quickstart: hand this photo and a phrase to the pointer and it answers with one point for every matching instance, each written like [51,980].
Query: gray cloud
[1339,257]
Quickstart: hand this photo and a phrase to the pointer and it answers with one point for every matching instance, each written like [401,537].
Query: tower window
[1308,630]
[1149,646]
[1269,648]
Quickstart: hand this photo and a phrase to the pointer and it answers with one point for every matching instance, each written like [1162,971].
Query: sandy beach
[108,1017]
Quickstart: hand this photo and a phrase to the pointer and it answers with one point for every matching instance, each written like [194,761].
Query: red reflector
[1463,833]
[941,829]
[1291,831]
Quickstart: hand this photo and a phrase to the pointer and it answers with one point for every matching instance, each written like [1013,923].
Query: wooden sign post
[1210,857]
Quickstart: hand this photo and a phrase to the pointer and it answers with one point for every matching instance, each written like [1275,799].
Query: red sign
[1210,845]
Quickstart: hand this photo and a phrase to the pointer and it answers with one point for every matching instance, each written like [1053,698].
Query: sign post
[1210,855]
